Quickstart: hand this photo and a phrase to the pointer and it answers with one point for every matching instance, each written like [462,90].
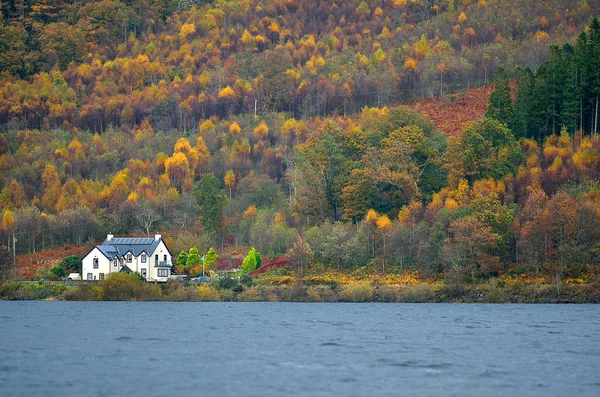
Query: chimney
[157,237]
[109,237]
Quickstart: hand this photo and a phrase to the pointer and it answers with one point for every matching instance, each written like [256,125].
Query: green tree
[250,262]
[211,200]
[521,122]
[182,258]
[193,257]
[485,149]
[500,102]
[210,258]
[58,271]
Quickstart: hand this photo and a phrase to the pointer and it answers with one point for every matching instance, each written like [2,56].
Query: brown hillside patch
[30,263]
[452,112]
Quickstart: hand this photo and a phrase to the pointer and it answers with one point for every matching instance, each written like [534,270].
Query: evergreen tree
[540,104]
[182,258]
[521,121]
[210,258]
[211,200]
[571,92]
[500,102]
[193,257]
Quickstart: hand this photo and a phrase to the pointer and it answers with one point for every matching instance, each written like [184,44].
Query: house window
[143,258]
[101,276]
[163,272]
[115,262]
[90,276]
[143,272]
[95,263]
[129,258]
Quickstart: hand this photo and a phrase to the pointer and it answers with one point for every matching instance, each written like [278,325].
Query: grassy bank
[129,288]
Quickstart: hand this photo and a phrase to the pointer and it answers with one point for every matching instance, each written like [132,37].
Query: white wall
[161,250]
[104,265]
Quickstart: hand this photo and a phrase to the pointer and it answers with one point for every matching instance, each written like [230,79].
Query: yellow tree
[261,131]
[230,181]
[384,225]
[371,220]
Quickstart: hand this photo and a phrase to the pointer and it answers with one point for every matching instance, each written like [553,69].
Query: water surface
[298,349]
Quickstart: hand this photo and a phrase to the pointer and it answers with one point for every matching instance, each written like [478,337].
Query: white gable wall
[162,251]
[105,266]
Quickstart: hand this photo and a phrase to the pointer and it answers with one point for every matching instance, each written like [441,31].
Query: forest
[282,125]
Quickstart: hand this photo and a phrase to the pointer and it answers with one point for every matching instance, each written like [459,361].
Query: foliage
[59,271]
[71,263]
[210,258]
[250,262]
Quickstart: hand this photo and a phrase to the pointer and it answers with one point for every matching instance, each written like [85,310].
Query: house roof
[126,269]
[122,245]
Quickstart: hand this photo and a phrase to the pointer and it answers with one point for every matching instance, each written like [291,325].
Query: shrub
[420,293]
[39,291]
[42,274]
[252,294]
[59,289]
[259,293]
[357,292]
[58,271]
[321,293]
[71,263]
[388,293]
[121,286]
[12,290]
[206,293]
[84,292]
[227,282]
[295,293]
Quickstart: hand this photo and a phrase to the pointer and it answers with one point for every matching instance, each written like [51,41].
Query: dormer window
[143,258]
[129,258]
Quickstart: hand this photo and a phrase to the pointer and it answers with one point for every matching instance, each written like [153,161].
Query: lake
[298,349]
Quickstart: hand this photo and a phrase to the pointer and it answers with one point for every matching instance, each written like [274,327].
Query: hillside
[451,113]
[279,125]
[93,65]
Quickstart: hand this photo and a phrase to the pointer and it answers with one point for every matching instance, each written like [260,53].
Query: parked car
[74,276]
[200,279]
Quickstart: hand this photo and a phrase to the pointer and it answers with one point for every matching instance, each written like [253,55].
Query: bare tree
[146,215]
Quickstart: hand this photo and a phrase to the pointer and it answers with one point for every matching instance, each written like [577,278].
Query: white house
[148,256]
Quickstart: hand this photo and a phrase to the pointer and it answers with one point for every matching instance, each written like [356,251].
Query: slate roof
[119,246]
[126,269]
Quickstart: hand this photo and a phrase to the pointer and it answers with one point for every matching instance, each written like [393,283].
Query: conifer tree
[500,102]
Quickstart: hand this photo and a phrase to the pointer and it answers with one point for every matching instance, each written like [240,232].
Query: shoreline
[359,292]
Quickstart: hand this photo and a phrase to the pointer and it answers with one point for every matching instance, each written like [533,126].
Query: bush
[321,293]
[420,293]
[59,289]
[42,274]
[258,293]
[388,293]
[123,287]
[357,292]
[12,290]
[71,263]
[58,271]
[227,282]
[84,292]
[206,293]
